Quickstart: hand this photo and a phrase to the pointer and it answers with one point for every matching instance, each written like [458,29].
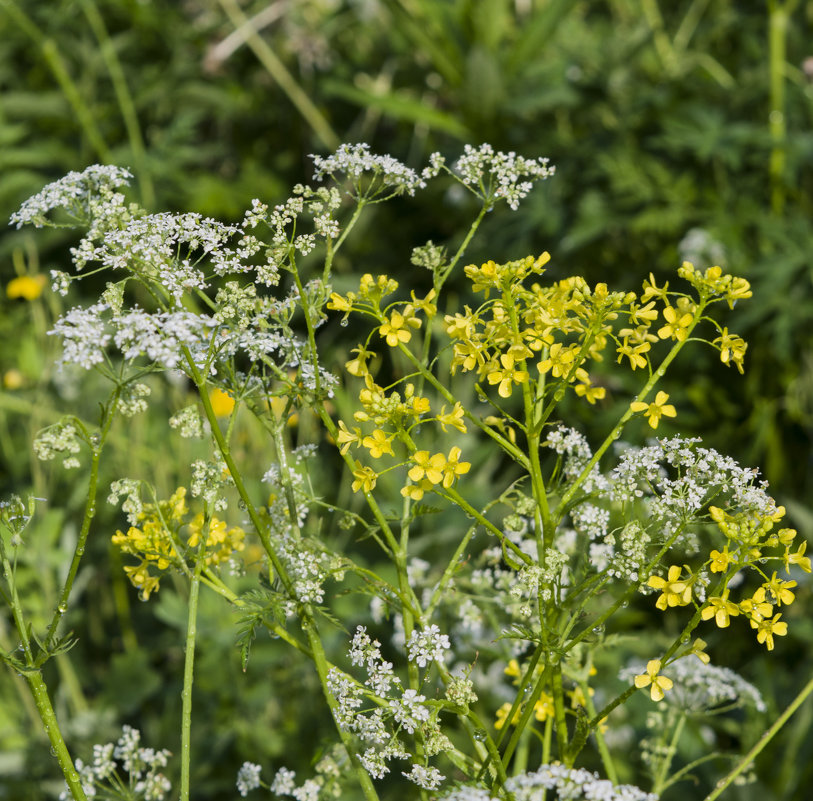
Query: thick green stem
[189,664]
[51,726]
[319,660]
[779,14]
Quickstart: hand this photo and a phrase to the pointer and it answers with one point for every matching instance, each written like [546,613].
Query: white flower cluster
[678,479]
[701,688]
[60,439]
[569,783]
[142,764]
[248,778]
[501,173]
[130,490]
[188,422]
[74,193]
[404,709]
[428,778]
[572,445]
[209,480]
[427,645]
[84,334]
[356,160]
[133,399]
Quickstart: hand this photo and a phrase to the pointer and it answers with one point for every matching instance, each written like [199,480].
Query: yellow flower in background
[654,411]
[658,684]
[13,379]
[502,714]
[222,402]
[27,287]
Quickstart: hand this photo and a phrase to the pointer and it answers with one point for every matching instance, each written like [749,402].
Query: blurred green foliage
[679,130]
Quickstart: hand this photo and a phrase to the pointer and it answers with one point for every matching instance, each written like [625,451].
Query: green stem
[761,743]
[779,15]
[604,752]
[666,760]
[189,661]
[90,513]
[124,98]
[51,726]
[321,663]
[461,250]
[54,60]
[284,79]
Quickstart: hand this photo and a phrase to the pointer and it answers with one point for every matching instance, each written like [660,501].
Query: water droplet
[62,609]
[480,735]
[53,751]
[685,638]
[598,629]
[343,323]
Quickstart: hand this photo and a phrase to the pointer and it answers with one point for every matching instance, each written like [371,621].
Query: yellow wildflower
[720,560]
[425,304]
[658,684]
[768,627]
[677,324]
[699,650]
[633,353]
[798,558]
[429,467]
[780,590]
[416,491]
[453,418]
[346,438]
[654,411]
[675,592]
[756,607]
[721,609]
[502,714]
[543,708]
[378,444]
[396,329]
[365,478]
[27,287]
[651,289]
[222,402]
[507,376]
[454,467]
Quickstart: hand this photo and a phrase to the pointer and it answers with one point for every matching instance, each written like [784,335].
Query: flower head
[654,411]
[658,684]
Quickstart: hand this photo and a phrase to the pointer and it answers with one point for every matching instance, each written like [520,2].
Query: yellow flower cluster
[543,708]
[156,542]
[749,536]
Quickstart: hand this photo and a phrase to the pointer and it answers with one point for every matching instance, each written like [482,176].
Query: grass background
[679,130]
